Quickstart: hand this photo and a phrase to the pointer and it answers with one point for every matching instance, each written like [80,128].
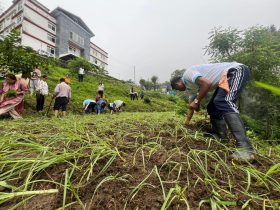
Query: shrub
[147,100]
[76,63]
[173,99]
[181,107]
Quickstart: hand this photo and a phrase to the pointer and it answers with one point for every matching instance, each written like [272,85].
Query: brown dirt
[115,194]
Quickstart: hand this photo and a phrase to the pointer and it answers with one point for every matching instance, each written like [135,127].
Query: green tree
[178,73]
[17,58]
[154,80]
[259,48]
[142,82]
[76,63]
[148,85]
[223,43]
[101,70]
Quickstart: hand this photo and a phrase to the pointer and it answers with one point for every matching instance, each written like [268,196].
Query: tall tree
[17,58]
[154,80]
[223,43]
[259,48]
[178,73]
[142,82]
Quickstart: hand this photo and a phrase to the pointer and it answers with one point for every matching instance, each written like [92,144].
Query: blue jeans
[33,83]
[223,102]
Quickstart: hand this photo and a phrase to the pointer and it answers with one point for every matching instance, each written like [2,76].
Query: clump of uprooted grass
[127,161]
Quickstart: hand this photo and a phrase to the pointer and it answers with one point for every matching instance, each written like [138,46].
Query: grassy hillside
[128,161]
[114,90]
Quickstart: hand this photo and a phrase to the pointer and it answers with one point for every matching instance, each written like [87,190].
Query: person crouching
[88,106]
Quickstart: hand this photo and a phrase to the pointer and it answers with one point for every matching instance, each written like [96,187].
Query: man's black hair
[173,81]
[62,80]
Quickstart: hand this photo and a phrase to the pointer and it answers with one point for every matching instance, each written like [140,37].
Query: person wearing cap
[227,80]
[42,90]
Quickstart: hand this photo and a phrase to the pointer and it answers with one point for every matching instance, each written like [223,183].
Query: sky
[157,37]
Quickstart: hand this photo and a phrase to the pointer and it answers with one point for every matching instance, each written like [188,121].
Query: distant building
[74,35]
[58,34]
[98,56]
[36,25]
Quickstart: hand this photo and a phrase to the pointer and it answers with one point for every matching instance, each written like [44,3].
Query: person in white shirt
[81,74]
[42,90]
[227,80]
[100,89]
[62,95]
[116,106]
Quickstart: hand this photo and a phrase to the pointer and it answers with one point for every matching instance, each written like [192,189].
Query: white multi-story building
[36,25]
[51,33]
[98,56]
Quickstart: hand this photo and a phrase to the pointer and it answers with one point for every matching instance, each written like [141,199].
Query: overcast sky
[159,36]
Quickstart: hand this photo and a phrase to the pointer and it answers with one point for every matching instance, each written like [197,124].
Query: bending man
[228,80]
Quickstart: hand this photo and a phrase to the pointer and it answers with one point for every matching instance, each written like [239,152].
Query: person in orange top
[67,79]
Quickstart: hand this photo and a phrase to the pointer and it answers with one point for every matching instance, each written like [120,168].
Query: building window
[19,6]
[50,50]
[76,38]
[72,49]
[19,18]
[51,38]
[51,26]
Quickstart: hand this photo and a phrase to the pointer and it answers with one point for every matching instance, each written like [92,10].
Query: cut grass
[127,161]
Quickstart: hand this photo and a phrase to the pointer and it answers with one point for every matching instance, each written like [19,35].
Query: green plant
[273,89]
[11,93]
[147,100]
[76,63]
[173,99]
[181,107]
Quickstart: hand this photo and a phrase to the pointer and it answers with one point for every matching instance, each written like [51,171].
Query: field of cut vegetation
[129,161]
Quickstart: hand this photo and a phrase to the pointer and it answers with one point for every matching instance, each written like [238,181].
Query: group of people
[134,95]
[99,105]
[13,90]
[226,79]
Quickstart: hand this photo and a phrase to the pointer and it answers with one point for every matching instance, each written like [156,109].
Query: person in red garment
[12,105]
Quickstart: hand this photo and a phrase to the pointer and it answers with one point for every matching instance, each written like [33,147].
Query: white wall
[42,12]
[35,44]
[37,32]
[38,19]
[97,53]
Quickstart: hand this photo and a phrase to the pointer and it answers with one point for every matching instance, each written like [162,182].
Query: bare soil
[116,194]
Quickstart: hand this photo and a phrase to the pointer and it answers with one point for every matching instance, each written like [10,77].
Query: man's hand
[189,117]
[194,106]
